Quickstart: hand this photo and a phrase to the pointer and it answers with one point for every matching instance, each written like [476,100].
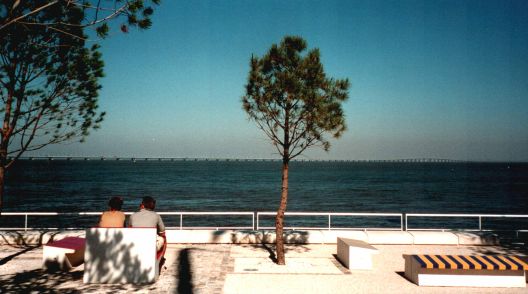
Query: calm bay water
[74,186]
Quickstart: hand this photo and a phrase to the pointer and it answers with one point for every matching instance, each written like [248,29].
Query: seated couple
[145,217]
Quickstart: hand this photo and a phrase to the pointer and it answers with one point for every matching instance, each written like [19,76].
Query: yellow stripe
[513,265]
[500,263]
[452,264]
[475,263]
[524,264]
[487,263]
[428,264]
[441,265]
[464,264]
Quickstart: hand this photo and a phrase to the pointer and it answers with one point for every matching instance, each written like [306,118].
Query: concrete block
[63,254]
[120,256]
[355,254]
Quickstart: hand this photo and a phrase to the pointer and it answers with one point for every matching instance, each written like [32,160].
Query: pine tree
[295,104]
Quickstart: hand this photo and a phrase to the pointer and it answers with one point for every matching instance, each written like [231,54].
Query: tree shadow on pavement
[38,281]
[20,243]
[185,277]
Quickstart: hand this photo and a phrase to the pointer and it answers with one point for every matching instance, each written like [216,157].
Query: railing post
[25,222]
[181,221]
[404,224]
[257,222]
[255,216]
[329,222]
[480,222]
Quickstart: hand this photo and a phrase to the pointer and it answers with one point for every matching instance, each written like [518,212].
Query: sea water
[77,186]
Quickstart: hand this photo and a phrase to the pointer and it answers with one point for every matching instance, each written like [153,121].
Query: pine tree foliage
[289,96]
[95,14]
[49,82]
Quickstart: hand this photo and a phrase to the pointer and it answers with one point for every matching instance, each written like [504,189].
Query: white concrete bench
[465,270]
[121,255]
[355,254]
[63,254]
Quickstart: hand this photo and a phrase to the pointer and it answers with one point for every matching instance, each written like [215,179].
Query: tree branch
[28,14]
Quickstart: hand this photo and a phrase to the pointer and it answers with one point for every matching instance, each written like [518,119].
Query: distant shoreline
[162,158]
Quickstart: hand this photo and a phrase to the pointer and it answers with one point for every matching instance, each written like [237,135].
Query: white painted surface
[390,237]
[355,254]
[120,255]
[61,258]
[432,237]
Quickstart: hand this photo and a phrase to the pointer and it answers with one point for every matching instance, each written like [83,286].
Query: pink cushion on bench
[74,243]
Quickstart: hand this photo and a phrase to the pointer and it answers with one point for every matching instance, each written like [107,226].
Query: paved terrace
[246,268]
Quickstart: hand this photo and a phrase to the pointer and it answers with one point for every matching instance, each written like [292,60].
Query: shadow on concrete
[271,252]
[509,243]
[38,281]
[22,251]
[185,277]
[341,266]
[402,274]
[20,242]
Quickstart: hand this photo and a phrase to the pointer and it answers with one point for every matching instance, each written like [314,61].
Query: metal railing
[459,216]
[256,218]
[210,213]
[180,214]
[329,215]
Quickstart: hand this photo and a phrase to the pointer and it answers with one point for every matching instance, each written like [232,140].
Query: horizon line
[171,158]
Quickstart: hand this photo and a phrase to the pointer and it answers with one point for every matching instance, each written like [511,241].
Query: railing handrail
[466,215]
[332,213]
[480,216]
[255,218]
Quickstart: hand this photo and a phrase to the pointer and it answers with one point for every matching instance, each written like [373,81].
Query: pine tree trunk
[2,174]
[3,160]
[279,221]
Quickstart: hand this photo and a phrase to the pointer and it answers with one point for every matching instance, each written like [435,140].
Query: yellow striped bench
[466,270]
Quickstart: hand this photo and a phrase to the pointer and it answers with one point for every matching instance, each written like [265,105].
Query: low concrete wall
[291,237]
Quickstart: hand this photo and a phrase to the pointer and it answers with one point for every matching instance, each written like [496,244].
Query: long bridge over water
[115,158]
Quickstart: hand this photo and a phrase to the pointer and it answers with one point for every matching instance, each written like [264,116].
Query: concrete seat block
[63,254]
[421,276]
[120,256]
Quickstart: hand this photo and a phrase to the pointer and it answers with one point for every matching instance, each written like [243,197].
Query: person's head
[148,203]
[115,203]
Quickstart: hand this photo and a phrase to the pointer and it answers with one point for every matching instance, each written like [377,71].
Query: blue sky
[436,79]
